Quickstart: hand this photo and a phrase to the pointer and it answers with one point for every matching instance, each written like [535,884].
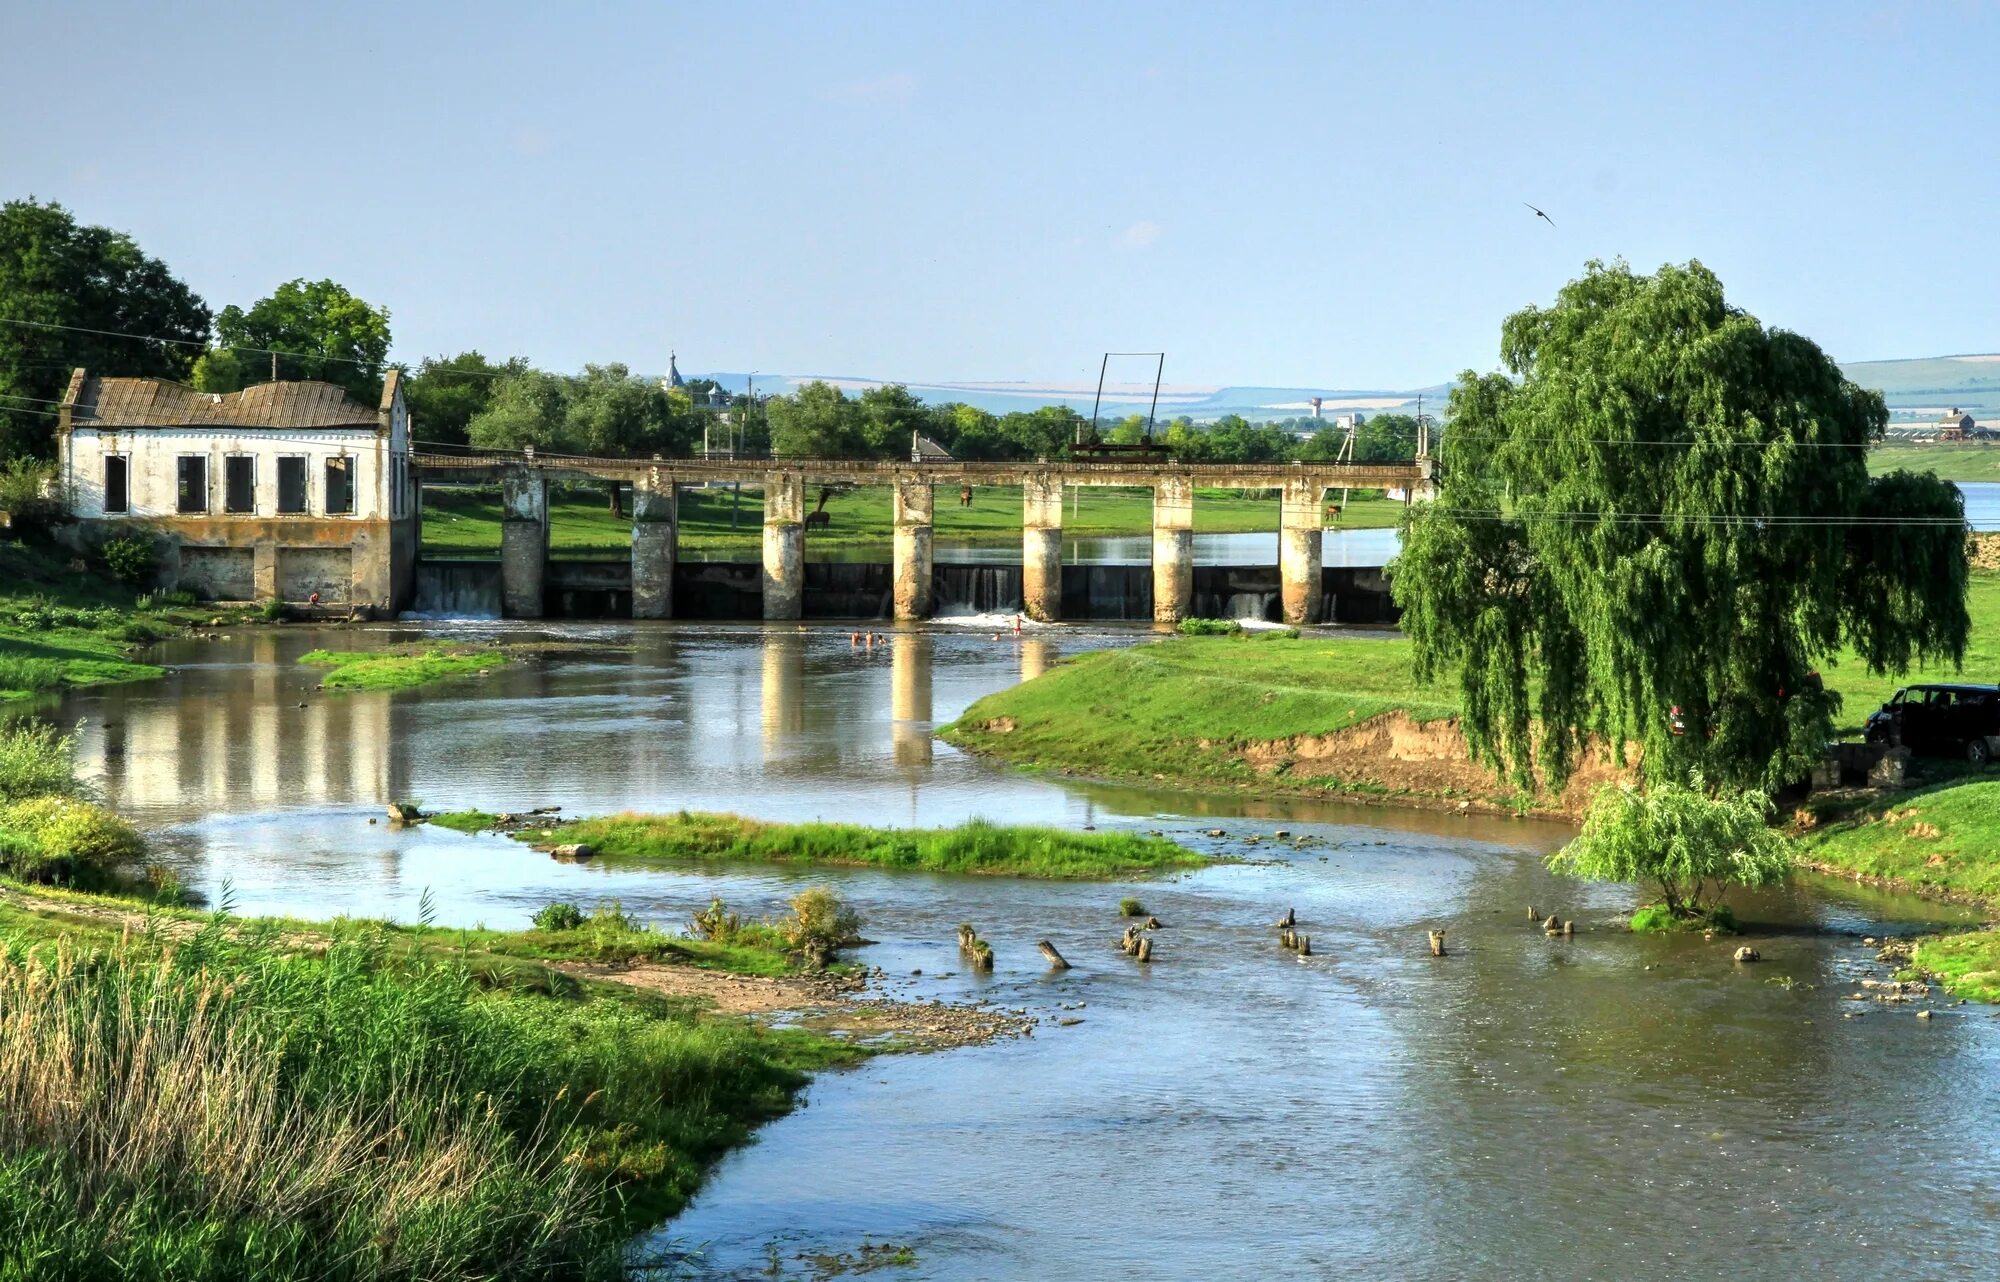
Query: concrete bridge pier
[655,545]
[1041,546]
[915,509]
[784,545]
[1299,549]
[524,542]
[1173,548]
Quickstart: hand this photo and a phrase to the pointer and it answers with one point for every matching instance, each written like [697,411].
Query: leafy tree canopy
[57,272]
[605,411]
[445,393]
[324,332]
[1669,505]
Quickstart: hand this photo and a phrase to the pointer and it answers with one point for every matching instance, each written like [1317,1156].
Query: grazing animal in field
[819,516]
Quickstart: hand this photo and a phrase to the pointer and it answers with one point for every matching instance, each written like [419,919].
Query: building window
[193,479]
[291,484]
[117,483]
[339,487]
[239,483]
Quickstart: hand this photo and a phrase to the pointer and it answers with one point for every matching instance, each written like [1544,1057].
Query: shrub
[1131,908]
[63,839]
[25,487]
[178,598]
[36,761]
[21,673]
[715,923]
[1655,919]
[1678,838]
[821,923]
[1209,628]
[129,558]
[560,915]
[271,611]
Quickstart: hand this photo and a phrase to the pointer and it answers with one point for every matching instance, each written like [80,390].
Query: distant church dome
[674,378]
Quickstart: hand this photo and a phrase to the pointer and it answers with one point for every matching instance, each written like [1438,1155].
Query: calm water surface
[1602,1107]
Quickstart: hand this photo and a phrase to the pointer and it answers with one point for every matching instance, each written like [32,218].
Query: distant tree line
[74,295]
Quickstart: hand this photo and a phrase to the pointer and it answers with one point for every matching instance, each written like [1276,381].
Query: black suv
[1958,720]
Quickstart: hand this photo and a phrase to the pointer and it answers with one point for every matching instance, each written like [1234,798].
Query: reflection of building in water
[1035,656]
[910,698]
[243,745]
[784,679]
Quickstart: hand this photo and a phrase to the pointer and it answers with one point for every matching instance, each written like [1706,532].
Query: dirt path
[825,1003]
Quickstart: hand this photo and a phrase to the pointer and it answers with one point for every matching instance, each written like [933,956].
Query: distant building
[278,491]
[924,450]
[1956,425]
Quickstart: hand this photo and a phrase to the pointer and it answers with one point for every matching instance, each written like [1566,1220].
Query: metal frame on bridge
[523,479]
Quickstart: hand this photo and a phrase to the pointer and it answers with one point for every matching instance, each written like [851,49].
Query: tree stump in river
[1437,943]
[1056,961]
[967,936]
[1569,927]
[1289,920]
[1285,940]
[1553,925]
[1145,953]
[1305,948]
[981,955]
[1532,914]
[1151,923]
[1129,941]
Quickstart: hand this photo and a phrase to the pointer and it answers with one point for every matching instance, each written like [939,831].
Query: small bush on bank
[561,915]
[129,558]
[1209,628]
[1677,838]
[36,760]
[715,923]
[1131,908]
[67,840]
[821,923]
[18,672]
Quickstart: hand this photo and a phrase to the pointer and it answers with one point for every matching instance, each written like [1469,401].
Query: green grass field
[975,847]
[467,522]
[1966,462]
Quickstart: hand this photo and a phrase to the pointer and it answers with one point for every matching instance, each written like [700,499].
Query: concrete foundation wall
[216,574]
[327,571]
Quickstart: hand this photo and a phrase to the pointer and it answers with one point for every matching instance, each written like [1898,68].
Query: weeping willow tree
[1663,504]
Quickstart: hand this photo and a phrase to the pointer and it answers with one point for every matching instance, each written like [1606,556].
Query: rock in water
[1748,954]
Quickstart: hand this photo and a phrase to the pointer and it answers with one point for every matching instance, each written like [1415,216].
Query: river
[1588,1108]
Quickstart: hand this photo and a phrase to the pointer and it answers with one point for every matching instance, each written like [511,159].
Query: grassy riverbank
[401,667]
[975,847]
[467,522]
[1314,716]
[374,1102]
[1941,841]
[63,627]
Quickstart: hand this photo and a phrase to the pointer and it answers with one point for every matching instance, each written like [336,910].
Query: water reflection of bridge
[1302,490]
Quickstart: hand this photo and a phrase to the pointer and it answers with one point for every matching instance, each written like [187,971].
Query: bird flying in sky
[1539,214]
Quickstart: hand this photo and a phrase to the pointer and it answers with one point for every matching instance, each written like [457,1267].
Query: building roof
[924,450]
[99,402]
[1954,416]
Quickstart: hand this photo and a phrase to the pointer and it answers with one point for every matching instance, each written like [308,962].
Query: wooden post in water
[1305,945]
[1289,920]
[1145,953]
[1553,925]
[1437,943]
[1056,961]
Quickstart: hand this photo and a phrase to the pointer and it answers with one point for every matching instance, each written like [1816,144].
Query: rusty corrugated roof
[156,402]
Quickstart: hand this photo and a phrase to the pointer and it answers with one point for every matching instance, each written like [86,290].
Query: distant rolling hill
[1916,390]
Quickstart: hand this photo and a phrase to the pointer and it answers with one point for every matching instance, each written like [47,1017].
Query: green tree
[1669,505]
[1685,843]
[527,408]
[58,279]
[446,393]
[322,332]
[817,421]
[889,414]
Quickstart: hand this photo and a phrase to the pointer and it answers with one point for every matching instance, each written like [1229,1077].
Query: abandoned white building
[278,491]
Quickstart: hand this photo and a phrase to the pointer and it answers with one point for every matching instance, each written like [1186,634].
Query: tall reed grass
[225,1108]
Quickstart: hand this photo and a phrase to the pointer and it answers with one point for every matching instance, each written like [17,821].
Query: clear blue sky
[1310,194]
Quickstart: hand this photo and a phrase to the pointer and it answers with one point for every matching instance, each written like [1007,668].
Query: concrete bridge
[524,479]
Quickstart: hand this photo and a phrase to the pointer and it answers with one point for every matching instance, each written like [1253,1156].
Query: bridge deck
[1249,476]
